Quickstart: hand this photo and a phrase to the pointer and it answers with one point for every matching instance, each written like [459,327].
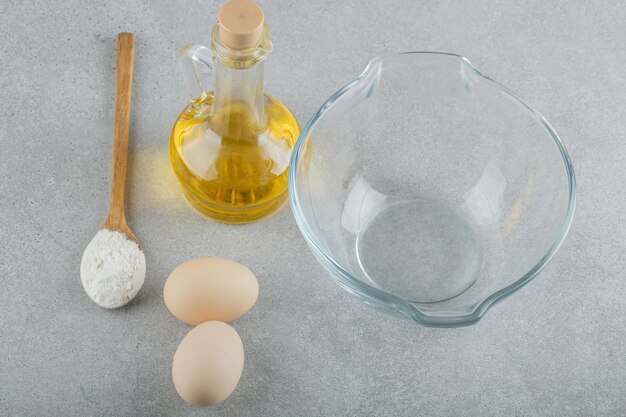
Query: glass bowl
[427,189]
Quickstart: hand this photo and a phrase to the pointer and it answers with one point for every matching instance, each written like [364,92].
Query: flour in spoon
[113,269]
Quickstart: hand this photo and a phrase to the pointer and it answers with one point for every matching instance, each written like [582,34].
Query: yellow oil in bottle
[231,168]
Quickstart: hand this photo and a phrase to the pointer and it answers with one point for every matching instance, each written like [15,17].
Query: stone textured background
[555,348]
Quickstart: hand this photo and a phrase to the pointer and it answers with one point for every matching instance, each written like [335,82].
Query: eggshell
[208,364]
[209,288]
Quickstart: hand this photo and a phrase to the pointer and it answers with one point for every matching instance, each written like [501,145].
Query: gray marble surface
[555,348]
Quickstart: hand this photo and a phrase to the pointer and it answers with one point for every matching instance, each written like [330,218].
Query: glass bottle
[230,148]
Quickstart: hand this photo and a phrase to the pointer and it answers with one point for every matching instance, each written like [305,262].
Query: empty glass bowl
[430,190]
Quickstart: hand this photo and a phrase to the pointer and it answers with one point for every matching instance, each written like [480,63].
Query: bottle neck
[240,87]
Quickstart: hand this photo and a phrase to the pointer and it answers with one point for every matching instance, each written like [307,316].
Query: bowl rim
[380,299]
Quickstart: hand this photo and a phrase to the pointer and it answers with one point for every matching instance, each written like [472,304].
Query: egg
[209,288]
[208,364]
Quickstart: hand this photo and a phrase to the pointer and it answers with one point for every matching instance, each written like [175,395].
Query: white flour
[113,269]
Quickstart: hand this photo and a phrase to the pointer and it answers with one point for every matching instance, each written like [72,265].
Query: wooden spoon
[116,220]
[113,266]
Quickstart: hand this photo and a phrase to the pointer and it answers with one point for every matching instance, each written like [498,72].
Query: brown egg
[208,364]
[204,289]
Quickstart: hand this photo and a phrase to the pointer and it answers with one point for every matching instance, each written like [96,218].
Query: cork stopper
[240,24]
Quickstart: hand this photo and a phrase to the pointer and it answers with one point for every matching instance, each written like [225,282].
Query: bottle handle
[196,62]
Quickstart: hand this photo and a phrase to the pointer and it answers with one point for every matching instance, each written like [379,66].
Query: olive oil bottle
[230,148]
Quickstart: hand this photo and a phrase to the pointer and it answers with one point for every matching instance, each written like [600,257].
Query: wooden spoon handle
[125,60]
